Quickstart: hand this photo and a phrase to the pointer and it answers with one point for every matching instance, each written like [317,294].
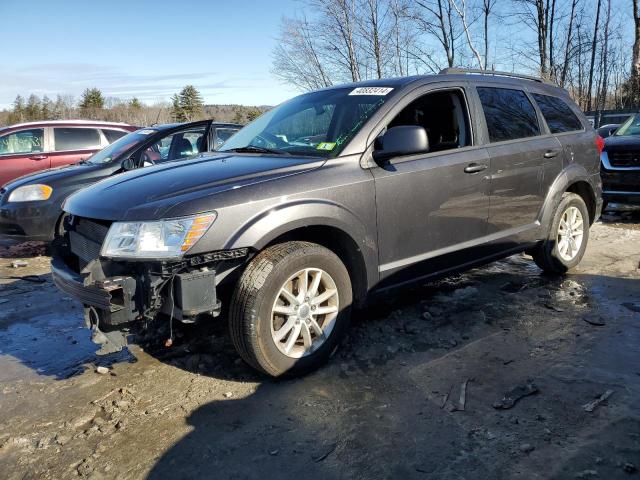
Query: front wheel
[567,241]
[290,308]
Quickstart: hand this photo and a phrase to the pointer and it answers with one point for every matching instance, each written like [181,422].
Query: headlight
[161,239]
[30,193]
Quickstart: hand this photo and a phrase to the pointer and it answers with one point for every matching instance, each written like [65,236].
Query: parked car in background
[31,147]
[30,207]
[332,197]
[607,130]
[620,160]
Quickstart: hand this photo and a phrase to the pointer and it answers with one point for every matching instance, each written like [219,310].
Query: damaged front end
[120,295]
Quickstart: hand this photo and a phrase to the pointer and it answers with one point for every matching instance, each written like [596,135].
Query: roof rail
[446,71]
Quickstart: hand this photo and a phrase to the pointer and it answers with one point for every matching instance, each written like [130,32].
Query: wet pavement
[488,374]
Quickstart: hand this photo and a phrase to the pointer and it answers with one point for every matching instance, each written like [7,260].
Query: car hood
[54,176]
[625,142]
[177,188]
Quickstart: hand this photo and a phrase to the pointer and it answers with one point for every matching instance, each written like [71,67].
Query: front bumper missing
[108,303]
[115,303]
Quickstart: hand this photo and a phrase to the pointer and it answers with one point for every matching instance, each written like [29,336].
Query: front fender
[271,223]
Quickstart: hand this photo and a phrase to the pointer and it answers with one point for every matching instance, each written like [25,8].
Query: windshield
[316,124]
[121,146]
[630,127]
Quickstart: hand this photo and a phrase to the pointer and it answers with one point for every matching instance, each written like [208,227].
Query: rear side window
[113,135]
[76,139]
[509,114]
[559,117]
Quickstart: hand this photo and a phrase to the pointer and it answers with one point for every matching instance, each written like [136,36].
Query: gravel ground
[497,373]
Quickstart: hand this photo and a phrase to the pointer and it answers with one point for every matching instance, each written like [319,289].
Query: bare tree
[568,42]
[594,43]
[296,58]
[487,8]
[436,18]
[462,13]
[605,63]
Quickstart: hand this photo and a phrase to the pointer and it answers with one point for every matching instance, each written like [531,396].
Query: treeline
[590,47]
[187,105]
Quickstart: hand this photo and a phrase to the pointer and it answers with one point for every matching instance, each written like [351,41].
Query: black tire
[254,296]
[605,205]
[547,255]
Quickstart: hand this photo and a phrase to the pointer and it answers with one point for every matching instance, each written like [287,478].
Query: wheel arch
[573,179]
[322,222]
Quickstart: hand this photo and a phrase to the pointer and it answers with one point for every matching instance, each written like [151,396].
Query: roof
[69,122]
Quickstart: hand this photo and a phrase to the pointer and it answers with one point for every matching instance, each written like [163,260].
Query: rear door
[432,204]
[73,144]
[519,149]
[578,144]
[22,152]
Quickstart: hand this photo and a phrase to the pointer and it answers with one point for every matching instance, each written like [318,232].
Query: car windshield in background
[119,147]
[315,124]
[630,127]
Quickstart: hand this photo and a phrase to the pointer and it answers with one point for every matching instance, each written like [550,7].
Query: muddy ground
[423,387]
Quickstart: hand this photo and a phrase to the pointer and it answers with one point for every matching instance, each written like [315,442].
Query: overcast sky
[143,48]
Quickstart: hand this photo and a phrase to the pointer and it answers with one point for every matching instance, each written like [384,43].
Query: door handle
[550,154]
[38,157]
[475,168]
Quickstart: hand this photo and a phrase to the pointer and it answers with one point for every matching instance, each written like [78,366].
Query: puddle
[53,345]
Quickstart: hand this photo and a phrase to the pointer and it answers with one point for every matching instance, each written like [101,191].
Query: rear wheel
[568,236]
[290,308]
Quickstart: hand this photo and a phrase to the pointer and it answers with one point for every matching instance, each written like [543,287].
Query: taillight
[599,143]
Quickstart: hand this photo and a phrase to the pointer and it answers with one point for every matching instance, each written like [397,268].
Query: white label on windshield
[371,91]
[145,132]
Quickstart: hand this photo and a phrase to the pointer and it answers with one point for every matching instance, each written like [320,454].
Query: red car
[29,147]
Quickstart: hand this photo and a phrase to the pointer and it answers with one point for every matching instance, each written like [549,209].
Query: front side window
[24,141]
[558,115]
[316,124]
[509,114]
[630,127]
[113,135]
[444,117]
[175,146]
[222,135]
[75,139]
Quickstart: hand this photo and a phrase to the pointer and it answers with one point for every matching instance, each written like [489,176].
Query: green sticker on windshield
[327,146]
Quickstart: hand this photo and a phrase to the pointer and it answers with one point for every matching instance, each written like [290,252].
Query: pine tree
[18,110]
[177,114]
[135,104]
[46,112]
[33,110]
[91,103]
[191,103]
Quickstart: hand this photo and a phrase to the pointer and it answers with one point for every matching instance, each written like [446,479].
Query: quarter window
[76,139]
[559,117]
[24,141]
[509,114]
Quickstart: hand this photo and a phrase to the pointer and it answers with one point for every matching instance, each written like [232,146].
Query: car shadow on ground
[389,404]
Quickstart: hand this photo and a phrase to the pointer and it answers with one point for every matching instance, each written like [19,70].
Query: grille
[86,239]
[625,159]
[92,230]
[84,248]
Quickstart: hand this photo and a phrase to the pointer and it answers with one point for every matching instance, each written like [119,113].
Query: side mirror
[402,140]
[128,164]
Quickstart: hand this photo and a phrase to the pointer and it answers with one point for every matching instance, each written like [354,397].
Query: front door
[22,152]
[433,203]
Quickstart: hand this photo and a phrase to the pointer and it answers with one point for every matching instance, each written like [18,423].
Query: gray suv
[329,198]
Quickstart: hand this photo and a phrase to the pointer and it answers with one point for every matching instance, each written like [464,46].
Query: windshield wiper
[254,149]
